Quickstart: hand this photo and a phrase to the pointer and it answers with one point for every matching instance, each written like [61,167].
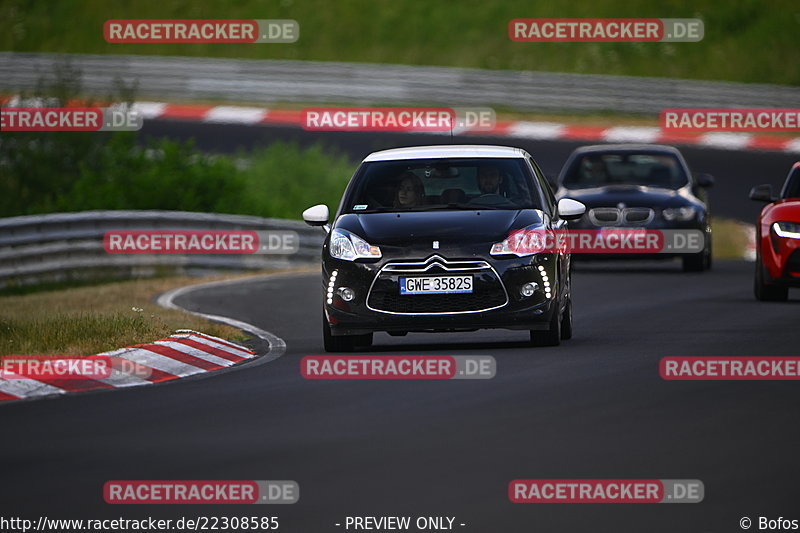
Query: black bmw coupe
[420,242]
[638,186]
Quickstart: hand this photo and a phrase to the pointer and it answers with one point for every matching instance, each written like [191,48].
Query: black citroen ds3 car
[420,243]
[638,186]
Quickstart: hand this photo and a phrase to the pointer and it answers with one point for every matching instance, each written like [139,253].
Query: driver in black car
[489,180]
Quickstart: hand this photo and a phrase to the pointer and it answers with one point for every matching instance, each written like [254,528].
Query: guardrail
[60,246]
[268,81]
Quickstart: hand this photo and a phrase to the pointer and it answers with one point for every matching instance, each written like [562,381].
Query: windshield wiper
[435,207]
[373,210]
[477,207]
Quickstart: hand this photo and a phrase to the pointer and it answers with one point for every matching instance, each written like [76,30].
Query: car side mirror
[570,209]
[317,215]
[762,193]
[704,180]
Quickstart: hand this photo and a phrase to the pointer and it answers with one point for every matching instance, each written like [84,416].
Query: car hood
[783,210]
[453,227]
[630,195]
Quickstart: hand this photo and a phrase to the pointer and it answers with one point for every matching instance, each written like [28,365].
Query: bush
[65,172]
[284,179]
[62,172]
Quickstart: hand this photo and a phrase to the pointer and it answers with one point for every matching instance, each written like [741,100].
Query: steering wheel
[491,200]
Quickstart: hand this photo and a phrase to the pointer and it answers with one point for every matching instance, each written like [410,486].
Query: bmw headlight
[787,230]
[679,214]
[348,246]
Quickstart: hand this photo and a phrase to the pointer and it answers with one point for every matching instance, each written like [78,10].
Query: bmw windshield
[442,184]
[641,169]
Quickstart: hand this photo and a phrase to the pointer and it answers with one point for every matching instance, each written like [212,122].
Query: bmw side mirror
[570,209]
[317,215]
[704,180]
[762,193]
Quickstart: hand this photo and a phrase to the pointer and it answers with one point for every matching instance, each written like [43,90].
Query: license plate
[436,285]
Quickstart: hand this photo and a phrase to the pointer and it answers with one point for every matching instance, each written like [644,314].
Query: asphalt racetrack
[595,407]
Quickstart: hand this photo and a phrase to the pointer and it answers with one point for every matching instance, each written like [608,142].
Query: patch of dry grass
[730,238]
[90,320]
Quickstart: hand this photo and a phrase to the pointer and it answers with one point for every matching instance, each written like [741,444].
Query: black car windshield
[443,184]
[642,168]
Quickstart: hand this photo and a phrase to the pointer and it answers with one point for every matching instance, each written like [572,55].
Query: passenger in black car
[411,191]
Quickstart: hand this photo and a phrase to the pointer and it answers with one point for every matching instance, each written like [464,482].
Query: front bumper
[657,223]
[496,301]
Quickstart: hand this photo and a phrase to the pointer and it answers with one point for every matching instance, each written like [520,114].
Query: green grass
[745,40]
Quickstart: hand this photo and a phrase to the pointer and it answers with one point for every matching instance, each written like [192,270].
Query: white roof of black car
[447,151]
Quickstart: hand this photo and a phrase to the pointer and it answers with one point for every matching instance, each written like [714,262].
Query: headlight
[347,246]
[681,214]
[787,230]
[523,242]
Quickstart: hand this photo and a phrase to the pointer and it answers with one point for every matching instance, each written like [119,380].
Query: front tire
[551,337]
[765,292]
[698,262]
[342,343]
[566,322]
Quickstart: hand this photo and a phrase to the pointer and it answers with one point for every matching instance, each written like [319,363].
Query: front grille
[614,216]
[604,216]
[488,290]
[435,303]
[637,215]
[434,262]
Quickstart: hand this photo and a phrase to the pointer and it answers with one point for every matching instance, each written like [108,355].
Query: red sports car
[778,239]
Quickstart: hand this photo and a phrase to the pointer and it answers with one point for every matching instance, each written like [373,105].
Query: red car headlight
[787,230]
